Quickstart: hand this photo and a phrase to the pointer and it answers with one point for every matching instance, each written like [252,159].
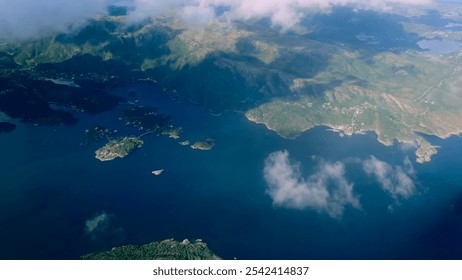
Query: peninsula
[400,97]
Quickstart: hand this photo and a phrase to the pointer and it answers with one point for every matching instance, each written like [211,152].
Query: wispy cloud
[398,181]
[24,19]
[97,224]
[408,146]
[327,190]
[283,13]
[103,226]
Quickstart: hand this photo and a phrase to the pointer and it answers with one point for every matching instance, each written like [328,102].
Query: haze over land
[19,19]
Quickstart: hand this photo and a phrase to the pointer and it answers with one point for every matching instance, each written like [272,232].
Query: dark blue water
[50,186]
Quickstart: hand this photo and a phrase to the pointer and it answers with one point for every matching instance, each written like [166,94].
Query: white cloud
[408,146]
[200,14]
[283,13]
[327,190]
[24,19]
[104,227]
[397,181]
[408,167]
[98,224]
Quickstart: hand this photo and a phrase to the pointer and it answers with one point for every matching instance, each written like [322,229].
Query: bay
[51,186]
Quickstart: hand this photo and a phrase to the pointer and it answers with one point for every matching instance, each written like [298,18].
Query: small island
[121,147]
[157,172]
[184,143]
[206,145]
[172,132]
[169,249]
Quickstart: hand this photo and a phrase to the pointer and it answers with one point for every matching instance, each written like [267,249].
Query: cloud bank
[327,190]
[283,13]
[24,19]
[397,181]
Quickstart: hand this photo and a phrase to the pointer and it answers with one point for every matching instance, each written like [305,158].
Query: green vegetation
[121,148]
[193,45]
[266,52]
[290,81]
[397,96]
[164,250]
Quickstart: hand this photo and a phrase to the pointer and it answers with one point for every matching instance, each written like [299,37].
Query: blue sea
[58,202]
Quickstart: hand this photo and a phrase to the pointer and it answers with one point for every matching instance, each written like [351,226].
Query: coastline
[424,150]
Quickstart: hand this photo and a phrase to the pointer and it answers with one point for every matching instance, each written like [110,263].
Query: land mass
[338,74]
[121,148]
[206,145]
[169,249]
[400,97]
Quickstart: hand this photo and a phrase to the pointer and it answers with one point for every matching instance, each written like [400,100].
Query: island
[157,172]
[184,143]
[348,79]
[169,249]
[206,145]
[121,148]
[173,132]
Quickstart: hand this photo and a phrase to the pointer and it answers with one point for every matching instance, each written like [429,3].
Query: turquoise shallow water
[50,186]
